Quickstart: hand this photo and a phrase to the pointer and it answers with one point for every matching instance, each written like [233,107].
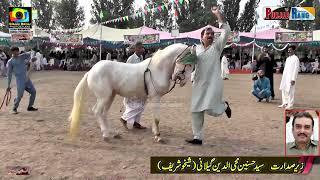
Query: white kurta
[224,67]
[315,67]
[134,106]
[109,56]
[38,61]
[290,73]
[207,89]
[3,57]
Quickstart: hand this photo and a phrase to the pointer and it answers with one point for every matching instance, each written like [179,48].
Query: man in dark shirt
[265,63]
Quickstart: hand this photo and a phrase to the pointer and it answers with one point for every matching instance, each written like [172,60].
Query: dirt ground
[39,139]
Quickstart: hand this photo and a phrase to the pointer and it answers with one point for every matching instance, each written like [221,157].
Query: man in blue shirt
[18,66]
[261,87]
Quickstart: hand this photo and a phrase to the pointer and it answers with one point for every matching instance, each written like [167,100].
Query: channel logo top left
[20,17]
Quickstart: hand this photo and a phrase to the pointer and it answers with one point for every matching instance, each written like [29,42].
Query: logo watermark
[18,170]
[289,13]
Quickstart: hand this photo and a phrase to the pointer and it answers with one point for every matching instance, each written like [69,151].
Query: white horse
[109,78]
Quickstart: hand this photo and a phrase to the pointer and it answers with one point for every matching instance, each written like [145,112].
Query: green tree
[158,20]
[195,15]
[317,20]
[45,13]
[247,19]
[231,12]
[69,14]
[192,16]
[112,10]
[4,12]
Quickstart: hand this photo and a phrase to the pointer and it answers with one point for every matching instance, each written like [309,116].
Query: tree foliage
[247,19]
[4,12]
[69,14]
[111,10]
[45,13]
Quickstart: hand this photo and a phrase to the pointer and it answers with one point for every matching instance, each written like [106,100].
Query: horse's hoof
[117,136]
[106,139]
[158,139]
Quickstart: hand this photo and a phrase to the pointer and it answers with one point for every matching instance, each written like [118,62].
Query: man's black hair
[14,48]
[293,47]
[204,30]
[301,115]
[139,43]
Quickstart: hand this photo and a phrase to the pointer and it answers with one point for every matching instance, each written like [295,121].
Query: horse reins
[148,70]
[175,81]
[6,98]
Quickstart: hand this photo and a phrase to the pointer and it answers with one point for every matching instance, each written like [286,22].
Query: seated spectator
[308,67]
[302,67]
[261,87]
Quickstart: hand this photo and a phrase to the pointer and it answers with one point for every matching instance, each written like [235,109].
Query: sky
[262,24]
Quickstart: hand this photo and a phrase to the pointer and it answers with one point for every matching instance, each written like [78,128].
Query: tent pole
[240,58]
[100,42]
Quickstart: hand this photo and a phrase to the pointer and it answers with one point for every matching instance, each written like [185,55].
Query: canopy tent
[108,34]
[163,35]
[4,35]
[197,33]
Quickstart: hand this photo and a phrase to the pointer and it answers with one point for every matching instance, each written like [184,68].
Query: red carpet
[239,71]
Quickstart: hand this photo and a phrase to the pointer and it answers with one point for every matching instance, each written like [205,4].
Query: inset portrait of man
[304,127]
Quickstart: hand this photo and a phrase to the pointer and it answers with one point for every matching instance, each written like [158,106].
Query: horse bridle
[180,76]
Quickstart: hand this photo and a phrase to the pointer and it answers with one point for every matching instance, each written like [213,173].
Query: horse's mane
[167,50]
[166,54]
[156,54]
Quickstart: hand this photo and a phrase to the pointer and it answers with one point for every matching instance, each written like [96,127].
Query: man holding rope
[18,66]
[134,106]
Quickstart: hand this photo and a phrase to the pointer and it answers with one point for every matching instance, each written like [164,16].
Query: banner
[229,165]
[66,38]
[15,37]
[233,38]
[20,17]
[284,37]
[145,39]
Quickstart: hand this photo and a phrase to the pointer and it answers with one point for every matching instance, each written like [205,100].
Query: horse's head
[178,60]
[184,65]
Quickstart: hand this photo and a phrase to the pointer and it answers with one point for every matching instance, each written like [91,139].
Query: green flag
[101,14]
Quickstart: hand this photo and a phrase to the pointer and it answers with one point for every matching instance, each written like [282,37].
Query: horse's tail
[78,98]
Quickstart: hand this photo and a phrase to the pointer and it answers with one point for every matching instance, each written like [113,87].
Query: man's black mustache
[302,134]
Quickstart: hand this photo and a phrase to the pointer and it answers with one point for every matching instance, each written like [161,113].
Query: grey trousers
[197,125]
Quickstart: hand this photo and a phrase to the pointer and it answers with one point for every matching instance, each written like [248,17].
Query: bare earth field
[39,139]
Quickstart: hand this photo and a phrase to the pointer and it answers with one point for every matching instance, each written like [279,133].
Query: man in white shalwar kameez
[134,106]
[224,68]
[3,58]
[289,77]
[207,87]
[39,60]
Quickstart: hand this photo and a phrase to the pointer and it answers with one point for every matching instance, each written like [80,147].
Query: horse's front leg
[156,118]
